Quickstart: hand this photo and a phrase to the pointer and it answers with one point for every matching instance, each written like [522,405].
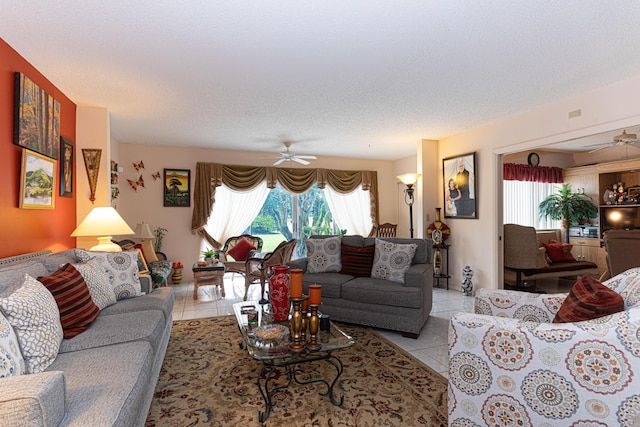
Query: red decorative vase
[279,292]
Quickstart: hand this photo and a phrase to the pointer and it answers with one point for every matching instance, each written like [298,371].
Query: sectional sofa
[105,375]
[350,293]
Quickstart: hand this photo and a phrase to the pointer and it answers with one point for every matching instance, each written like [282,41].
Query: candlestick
[314,323]
[296,283]
[305,318]
[297,344]
[315,294]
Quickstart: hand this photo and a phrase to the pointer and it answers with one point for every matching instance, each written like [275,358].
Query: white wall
[146,204]
[478,242]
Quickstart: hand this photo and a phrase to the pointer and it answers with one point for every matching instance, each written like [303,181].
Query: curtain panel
[519,172]
[209,176]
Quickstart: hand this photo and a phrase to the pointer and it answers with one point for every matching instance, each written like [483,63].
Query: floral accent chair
[510,365]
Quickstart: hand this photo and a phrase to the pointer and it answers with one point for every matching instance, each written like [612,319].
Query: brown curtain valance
[241,178]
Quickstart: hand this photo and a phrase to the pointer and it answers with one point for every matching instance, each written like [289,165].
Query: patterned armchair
[509,365]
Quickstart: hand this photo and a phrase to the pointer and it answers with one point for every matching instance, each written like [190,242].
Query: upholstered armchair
[509,365]
[623,250]
[236,250]
[258,266]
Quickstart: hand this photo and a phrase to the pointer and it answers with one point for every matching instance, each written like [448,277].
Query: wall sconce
[103,222]
[409,179]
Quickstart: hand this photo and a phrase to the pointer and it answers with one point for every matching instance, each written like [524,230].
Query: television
[619,217]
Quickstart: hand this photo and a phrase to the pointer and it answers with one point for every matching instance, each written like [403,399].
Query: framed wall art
[460,185]
[37,118]
[37,181]
[66,167]
[177,190]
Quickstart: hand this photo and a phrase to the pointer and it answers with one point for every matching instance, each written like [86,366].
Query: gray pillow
[324,255]
[392,260]
[12,277]
[57,260]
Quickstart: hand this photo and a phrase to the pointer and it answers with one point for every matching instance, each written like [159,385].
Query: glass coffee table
[268,342]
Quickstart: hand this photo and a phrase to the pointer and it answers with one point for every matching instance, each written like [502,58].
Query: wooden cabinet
[583,179]
[588,249]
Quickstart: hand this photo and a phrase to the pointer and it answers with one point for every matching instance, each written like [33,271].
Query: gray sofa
[104,376]
[376,302]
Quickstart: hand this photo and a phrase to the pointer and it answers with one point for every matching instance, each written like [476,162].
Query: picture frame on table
[37,181]
[142,264]
[460,186]
[66,167]
[177,187]
[36,118]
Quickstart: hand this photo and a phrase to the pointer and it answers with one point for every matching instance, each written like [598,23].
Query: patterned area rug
[207,379]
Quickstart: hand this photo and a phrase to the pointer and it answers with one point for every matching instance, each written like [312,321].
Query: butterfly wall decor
[138,166]
[135,184]
[156,175]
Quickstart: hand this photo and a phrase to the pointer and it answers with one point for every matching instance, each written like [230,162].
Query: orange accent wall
[28,230]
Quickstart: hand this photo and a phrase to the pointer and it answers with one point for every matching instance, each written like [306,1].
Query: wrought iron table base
[270,368]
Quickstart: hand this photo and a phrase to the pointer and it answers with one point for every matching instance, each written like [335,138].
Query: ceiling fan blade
[299,160]
[306,157]
[279,162]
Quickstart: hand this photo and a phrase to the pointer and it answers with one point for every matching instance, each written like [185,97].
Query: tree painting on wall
[177,188]
[37,118]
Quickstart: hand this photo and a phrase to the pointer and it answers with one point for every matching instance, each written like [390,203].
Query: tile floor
[430,347]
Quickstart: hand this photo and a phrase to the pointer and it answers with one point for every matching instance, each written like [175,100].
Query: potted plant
[569,207]
[208,255]
[159,232]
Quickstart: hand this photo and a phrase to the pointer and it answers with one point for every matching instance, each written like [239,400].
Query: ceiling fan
[619,140]
[288,155]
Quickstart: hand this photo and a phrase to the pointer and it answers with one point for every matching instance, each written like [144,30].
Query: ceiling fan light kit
[287,155]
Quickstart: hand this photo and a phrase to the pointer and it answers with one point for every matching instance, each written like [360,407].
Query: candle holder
[314,325]
[305,318]
[297,343]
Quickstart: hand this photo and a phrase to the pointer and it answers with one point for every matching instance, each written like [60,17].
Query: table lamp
[103,222]
[143,231]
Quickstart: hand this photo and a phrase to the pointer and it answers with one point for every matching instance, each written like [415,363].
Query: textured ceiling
[361,79]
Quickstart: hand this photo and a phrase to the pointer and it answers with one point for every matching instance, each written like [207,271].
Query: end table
[210,274]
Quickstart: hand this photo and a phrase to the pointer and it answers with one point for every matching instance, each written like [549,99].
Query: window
[521,200]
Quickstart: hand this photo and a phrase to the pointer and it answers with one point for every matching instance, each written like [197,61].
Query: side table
[210,274]
[444,269]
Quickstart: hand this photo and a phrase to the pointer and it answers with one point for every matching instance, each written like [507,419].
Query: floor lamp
[409,179]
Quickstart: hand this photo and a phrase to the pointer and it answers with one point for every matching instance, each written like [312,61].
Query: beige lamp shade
[103,222]
[143,231]
[409,179]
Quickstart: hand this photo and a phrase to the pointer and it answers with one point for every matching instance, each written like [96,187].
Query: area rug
[207,379]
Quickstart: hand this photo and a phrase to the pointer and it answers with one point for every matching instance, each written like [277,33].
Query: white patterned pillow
[122,268]
[392,260]
[324,255]
[11,360]
[34,315]
[98,282]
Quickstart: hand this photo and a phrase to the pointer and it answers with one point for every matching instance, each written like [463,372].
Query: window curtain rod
[209,176]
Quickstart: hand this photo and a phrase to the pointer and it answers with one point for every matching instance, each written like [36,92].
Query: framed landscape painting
[37,181]
[460,184]
[177,190]
[37,118]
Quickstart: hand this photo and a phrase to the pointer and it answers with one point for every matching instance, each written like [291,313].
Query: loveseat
[510,365]
[103,376]
[350,294]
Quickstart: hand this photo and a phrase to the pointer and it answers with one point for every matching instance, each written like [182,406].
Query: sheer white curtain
[521,200]
[234,211]
[351,211]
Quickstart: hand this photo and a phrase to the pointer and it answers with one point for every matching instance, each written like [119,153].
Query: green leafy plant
[208,253]
[160,233]
[567,206]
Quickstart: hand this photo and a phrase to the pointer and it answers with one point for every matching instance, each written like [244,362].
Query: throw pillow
[98,282]
[323,255]
[554,250]
[588,299]
[566,250]
[12,276]
[147,250]
[357,260]
[11,360]
[77,309]
[392,260]
[33,313]
[122,268]
[241,249]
